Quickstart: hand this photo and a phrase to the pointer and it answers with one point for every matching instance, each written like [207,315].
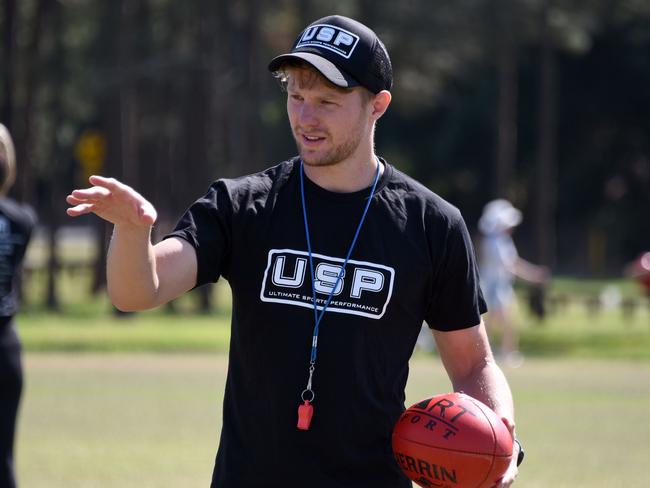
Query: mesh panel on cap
[382,69]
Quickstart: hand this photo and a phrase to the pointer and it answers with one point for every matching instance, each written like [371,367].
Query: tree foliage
[181,93]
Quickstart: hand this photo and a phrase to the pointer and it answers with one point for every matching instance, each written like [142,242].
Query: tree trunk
[253,126]
[545,183]
[506,150]
[128,99]
[245,142]
[8,50]
[197,119]
[223,80]
[108,100]
[57,171]
[24,141]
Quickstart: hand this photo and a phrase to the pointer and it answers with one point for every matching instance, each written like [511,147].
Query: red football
[452,440]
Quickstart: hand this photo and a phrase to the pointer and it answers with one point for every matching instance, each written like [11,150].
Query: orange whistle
[305,413]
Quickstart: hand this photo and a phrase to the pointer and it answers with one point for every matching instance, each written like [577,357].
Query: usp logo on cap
[345,51]
[330,37]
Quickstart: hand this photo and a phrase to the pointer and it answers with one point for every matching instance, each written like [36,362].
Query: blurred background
[543,102]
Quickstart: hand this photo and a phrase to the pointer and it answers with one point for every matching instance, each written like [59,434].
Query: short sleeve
[456,298]
[206,225]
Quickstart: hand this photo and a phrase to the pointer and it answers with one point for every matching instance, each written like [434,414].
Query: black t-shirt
[413,261]
[16,224]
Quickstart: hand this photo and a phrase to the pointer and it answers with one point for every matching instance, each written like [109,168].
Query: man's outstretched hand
[113,201]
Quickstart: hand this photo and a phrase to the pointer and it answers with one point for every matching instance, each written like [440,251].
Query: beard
[334,155]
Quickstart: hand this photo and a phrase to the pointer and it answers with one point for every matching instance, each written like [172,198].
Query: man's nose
[308,115]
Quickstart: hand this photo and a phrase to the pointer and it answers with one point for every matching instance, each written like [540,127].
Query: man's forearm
[488,384]
[131,269]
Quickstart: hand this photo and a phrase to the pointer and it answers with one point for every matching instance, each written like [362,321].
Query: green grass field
[152,420]
[135,401]
[87,324]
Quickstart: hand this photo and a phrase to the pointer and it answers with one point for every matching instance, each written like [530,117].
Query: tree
[546,181]
[8,63]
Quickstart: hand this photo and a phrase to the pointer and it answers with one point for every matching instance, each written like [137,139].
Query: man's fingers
[94,193]
[509,424]
[72,200]
[110,183]
[113,201]
[81,209]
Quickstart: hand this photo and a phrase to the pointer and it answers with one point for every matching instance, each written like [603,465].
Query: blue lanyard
[318,317]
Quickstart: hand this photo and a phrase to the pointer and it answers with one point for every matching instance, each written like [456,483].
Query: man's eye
[298,98]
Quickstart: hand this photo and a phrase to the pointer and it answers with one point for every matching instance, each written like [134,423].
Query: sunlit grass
[151,420]
[586,319]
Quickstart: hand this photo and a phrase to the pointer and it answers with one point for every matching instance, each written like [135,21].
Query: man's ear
[380,103]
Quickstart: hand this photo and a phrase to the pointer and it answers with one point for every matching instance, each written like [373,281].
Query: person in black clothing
[16,224]
[334,258]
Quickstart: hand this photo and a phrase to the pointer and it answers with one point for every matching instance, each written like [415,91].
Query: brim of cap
[328,69]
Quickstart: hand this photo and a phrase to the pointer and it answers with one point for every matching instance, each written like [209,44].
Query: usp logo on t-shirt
[364,289]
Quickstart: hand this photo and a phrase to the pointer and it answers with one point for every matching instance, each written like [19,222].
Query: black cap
[345,51]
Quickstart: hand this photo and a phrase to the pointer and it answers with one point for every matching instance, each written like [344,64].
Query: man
[334,259]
